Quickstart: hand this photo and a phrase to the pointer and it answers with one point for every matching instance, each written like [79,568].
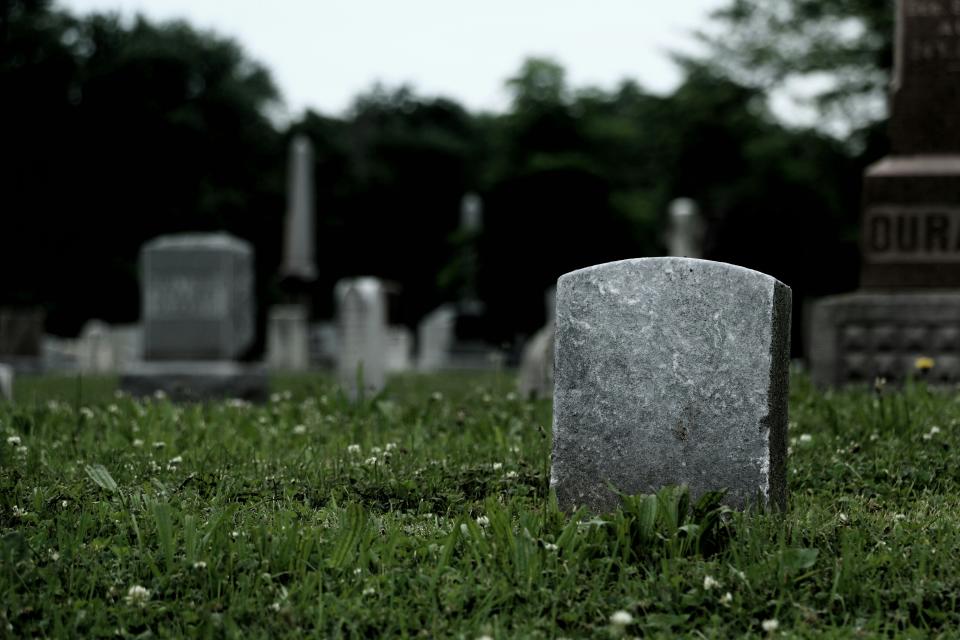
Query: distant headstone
[535,377]
[95,350]
[198,318]
[362,326]
[21,337]
[197,297]
[686,229]
[399,349]
[910,230]
[670,371]
[288,338]
[6,382]
[299,240]
[435,337]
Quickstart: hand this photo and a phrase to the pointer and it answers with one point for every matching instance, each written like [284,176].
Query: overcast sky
[322,53]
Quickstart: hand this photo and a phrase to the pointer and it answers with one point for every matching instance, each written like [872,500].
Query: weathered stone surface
[926,84]
[670,371]
[860,336]
[196,381]
[362,325]
[299,240]
[435,337]
[197,291]
[6,382]
[288,338]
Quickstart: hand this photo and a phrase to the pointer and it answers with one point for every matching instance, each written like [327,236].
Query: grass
[425,512]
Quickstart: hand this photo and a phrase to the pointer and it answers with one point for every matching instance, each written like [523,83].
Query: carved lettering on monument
[182,297]
[934,28]
[902,234]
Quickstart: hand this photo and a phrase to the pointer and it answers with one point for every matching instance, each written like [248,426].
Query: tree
[847,43]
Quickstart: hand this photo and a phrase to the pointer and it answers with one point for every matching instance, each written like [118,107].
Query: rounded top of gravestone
[218,241]
[669,265]
[471,212]
[301,145]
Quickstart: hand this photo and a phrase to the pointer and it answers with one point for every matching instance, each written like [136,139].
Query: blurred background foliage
[115,131]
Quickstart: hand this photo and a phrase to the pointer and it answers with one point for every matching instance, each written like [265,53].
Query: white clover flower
[899,516]
[21,451]
[710,583]
[234,534]
[726,598]
[54,555]
[13,441]
[274,607]
[353,449]
[621,618]
[137,442]
[274,397]
[357,571]
[18,512]
[511,475]
[483,521]
[497,466]
[137,595]
[843,517]
[159,445]
[86,412]
[934,430]
[549,546]
[176,460]
[199,565]
[391,446]
[770,625]
[369,591]
[376,450]
[63,504]
[300,429]
[113,409]
[806,437]
[464,529]
[370,461]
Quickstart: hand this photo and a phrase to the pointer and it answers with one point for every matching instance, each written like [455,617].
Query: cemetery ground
[425,511]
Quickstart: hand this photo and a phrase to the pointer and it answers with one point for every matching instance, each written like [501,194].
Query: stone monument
[670,371]
[6,382]
[535,378]
[361,305]
[198,319]
[909,301]
[288,328]
[686,229]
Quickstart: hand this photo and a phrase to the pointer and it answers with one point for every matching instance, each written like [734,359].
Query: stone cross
[670,371]
[298,246]
[686,229]
[362,325]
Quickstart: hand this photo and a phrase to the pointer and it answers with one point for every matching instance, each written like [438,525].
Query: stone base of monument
[192,381]
[860,336]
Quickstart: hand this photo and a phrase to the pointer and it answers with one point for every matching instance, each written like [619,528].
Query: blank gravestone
[362,328]
[670,371]
[198,310]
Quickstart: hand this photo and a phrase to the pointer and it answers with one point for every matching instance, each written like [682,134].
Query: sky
[323,53]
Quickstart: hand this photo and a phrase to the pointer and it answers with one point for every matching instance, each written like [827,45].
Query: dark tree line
[116,132]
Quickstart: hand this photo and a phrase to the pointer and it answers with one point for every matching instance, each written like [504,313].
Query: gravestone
[198,319]
[670,371]
[535,377]
[909,302]
[299,241]
[6,382]
[399,349]
[95,351]
[686,229]
[21,337]
[361,305]
[435,336]
[288,339]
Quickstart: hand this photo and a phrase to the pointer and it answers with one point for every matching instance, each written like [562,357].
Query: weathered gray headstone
[686,231]
[362,324]
[6,382]
[535,377]
[197,297]
[435,336]
[298,245]
[21,336]
[670,371]
[198,317]
[399,349]
[288,338]
[95,352]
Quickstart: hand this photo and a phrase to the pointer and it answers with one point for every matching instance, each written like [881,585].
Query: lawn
[425,511]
